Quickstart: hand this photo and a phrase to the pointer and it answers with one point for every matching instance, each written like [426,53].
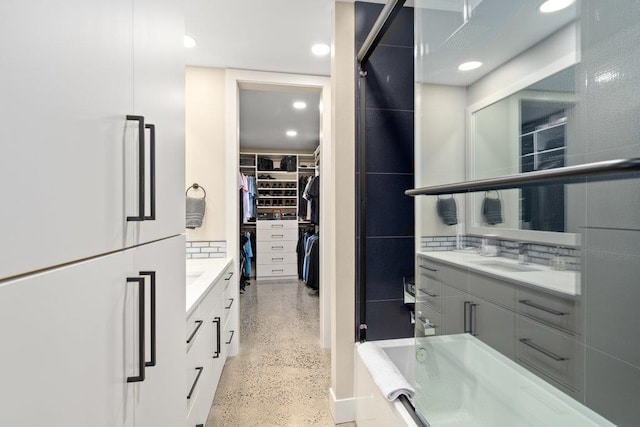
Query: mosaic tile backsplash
[536,253]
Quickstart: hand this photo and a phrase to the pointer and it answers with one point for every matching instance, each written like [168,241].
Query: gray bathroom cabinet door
[453,310]
[494,326]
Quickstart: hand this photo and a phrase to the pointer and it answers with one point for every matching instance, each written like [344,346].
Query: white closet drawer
[277,235]
[271,270]
[277,225]
[277,258]
[277,247]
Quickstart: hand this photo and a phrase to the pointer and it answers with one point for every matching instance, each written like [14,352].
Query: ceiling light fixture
[299,105]
[320,49]
[550,6]
[468,66]
[291,133]
[189,42]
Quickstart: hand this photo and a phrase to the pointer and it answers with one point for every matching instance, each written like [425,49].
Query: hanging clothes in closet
[311,267]
[247,186]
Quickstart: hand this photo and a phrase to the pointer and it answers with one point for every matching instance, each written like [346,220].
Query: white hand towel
[385,374]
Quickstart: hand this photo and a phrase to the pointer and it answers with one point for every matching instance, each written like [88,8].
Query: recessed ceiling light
[189,42]
[471,65]
[550,6]
[291,133]
[299,105]
[320,49]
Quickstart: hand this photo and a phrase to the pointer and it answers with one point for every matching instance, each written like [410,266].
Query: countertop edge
[210,276]
[498,276]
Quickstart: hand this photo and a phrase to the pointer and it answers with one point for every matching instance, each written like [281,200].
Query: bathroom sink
[505,266]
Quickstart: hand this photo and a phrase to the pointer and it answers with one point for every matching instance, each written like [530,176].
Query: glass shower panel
[527,302]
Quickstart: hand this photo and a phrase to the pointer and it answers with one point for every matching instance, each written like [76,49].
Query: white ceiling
[266,115]
[277,36]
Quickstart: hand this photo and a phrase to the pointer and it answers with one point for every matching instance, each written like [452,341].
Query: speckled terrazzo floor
[281,375]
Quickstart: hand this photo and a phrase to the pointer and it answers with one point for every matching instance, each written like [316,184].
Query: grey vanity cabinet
[490,323]
[540,330]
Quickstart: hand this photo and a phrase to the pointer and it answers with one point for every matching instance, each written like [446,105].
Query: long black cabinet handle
[473,317]
[230,338]
[195,382]
[141,172]
[542,308]
[528,343]
[152,325]
[141,328]
[465,318]
[230,276]
[193,334]
[216,320]
[427,268]
[428,293]
[152,172]
[230,304]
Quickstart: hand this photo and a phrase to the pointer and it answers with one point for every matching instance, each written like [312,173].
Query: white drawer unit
[209,319]
[276,249]
[280,246]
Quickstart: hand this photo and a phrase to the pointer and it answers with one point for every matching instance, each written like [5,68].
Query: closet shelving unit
[278,192]
[277,189]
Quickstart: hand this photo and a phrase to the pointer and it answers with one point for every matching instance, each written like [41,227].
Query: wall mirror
[529,130]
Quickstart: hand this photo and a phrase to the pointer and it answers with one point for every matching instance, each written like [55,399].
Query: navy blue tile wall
[389,136]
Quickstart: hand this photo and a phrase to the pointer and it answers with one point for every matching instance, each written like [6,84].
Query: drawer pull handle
[152,326]
[528,343]
[278,270]
[141,329]
[193,334]
[277,247]
[428,293]
[277,225]
[230,276]
[277,236]
[465,318]
[216,320]
[473,316]
[230,338]
[542,308]
[428,268]
[277,259]
[230,304]
[193,386]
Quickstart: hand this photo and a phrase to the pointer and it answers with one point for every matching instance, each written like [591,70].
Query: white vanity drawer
[277,235]
[277,225]
[279,246]
[269,270]
[277,258]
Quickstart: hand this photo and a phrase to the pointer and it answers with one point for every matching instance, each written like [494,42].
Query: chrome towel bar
[607,167]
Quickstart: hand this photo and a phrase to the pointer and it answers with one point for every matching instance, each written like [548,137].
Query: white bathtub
[463,382]
[372,408]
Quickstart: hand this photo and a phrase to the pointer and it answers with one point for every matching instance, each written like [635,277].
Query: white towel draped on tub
[385,374]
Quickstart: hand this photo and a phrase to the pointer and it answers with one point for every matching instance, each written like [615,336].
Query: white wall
[440,151]
[551,55]
[343,214]
[205,146]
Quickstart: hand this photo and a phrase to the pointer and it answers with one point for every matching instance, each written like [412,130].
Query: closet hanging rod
[380,27]
[607,167]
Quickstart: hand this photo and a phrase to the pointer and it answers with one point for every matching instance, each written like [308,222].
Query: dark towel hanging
[492,209]
[447,210]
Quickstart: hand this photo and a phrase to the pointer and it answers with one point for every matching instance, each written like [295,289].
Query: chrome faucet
[522,253]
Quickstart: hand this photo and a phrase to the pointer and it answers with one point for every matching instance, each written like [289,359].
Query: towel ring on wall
[486,194]
[196,186]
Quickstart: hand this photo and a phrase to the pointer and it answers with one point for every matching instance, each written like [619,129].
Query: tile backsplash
[206,249]
[537,253]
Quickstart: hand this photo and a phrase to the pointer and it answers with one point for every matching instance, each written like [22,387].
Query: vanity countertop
[201,273]
[565,282]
